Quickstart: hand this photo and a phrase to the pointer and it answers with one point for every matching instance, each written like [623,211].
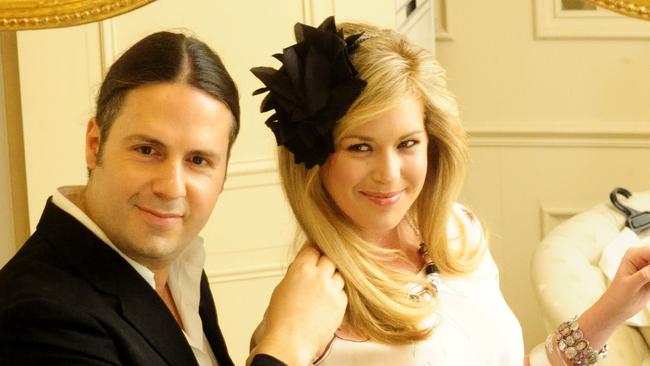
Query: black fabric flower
[312,90]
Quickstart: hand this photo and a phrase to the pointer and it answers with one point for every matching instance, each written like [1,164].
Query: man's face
[161,170]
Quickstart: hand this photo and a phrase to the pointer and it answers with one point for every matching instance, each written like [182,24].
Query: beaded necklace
[431,272]
[418,293]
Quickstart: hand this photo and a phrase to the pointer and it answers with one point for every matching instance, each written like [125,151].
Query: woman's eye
[407,143]
[359,148]
[145,150]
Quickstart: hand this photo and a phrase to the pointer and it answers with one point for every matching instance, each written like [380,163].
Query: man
[114,272]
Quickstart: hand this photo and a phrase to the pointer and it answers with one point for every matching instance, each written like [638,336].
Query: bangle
[552,353]
[571,341]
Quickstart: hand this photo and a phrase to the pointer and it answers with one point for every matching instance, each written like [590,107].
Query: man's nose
[169,182]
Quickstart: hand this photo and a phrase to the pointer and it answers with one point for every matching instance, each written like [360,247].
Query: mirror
[633,8]
[39,14]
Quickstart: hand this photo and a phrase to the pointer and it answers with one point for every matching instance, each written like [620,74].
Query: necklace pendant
[434,279]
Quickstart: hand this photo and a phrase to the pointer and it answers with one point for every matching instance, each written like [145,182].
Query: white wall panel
[553,123]
[522,186]
[59,78]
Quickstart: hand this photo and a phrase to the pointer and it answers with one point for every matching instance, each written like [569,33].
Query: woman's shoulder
[464,228]
[466,233]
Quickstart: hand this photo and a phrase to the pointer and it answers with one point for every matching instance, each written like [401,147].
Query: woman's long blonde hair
[379,308]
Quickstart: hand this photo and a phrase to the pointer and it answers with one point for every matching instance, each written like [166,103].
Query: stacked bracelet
[575,347]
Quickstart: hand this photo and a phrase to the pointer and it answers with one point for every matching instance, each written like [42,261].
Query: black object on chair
[637,221]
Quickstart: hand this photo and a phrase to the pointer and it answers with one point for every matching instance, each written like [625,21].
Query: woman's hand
[628,293]
[630,289]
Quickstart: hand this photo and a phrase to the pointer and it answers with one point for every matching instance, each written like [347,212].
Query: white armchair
[567,279]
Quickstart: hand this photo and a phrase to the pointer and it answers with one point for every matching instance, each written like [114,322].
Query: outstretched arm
[628,293]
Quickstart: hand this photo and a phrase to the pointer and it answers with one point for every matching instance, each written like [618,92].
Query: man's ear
[93,140]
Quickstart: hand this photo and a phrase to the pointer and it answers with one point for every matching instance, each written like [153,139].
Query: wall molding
[315,11]
[610,135]
[247,273]
[551,215]
[264,172]
[252,173]
[441,15]
[106,44]
[250,167]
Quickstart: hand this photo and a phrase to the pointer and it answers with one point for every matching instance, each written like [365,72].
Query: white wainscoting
[556,213]
[524,179]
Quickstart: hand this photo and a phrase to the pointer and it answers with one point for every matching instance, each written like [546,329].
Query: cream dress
[476,325]
[476,328]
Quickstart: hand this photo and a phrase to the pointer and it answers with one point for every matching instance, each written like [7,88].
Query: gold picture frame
[566,19]
[634,8]
[39,14]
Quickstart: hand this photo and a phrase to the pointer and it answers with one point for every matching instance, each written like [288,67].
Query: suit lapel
[140,305]
[208,314]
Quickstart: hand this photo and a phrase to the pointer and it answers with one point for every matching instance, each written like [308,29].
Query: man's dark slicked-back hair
[166,57]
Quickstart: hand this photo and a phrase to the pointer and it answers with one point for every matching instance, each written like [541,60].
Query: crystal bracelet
[571,341]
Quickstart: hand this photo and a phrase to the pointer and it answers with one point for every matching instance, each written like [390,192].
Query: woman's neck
[403,239]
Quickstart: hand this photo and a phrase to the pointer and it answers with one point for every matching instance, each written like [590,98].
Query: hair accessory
[311,91]
[571,342]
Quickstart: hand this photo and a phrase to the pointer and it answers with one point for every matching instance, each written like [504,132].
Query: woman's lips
[383,199]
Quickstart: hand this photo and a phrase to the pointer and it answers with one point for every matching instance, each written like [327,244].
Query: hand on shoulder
[305,310]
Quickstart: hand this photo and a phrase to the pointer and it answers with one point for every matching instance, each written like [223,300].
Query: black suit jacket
[66,298]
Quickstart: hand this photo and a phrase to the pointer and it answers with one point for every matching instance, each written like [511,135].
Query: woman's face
[377,169]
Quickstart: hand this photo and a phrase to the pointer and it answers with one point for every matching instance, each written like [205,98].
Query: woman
[372,157]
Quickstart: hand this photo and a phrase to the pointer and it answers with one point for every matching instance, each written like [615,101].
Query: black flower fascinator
[312,90]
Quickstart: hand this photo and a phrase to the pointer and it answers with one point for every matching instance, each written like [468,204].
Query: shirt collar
[189,263]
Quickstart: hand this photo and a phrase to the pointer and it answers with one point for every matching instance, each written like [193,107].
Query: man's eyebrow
[370,139]
[206,154]
[144,138]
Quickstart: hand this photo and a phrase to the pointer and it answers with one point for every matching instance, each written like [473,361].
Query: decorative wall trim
[553,215]
[315,11]
[11,125]
[248,167]
[621,135]
[247,273]
[441,18]
[252,173]
[553,22]
[106,44]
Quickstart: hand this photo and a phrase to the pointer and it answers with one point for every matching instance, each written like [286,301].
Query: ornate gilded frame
[634,8]
[39,14]
[553,21]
